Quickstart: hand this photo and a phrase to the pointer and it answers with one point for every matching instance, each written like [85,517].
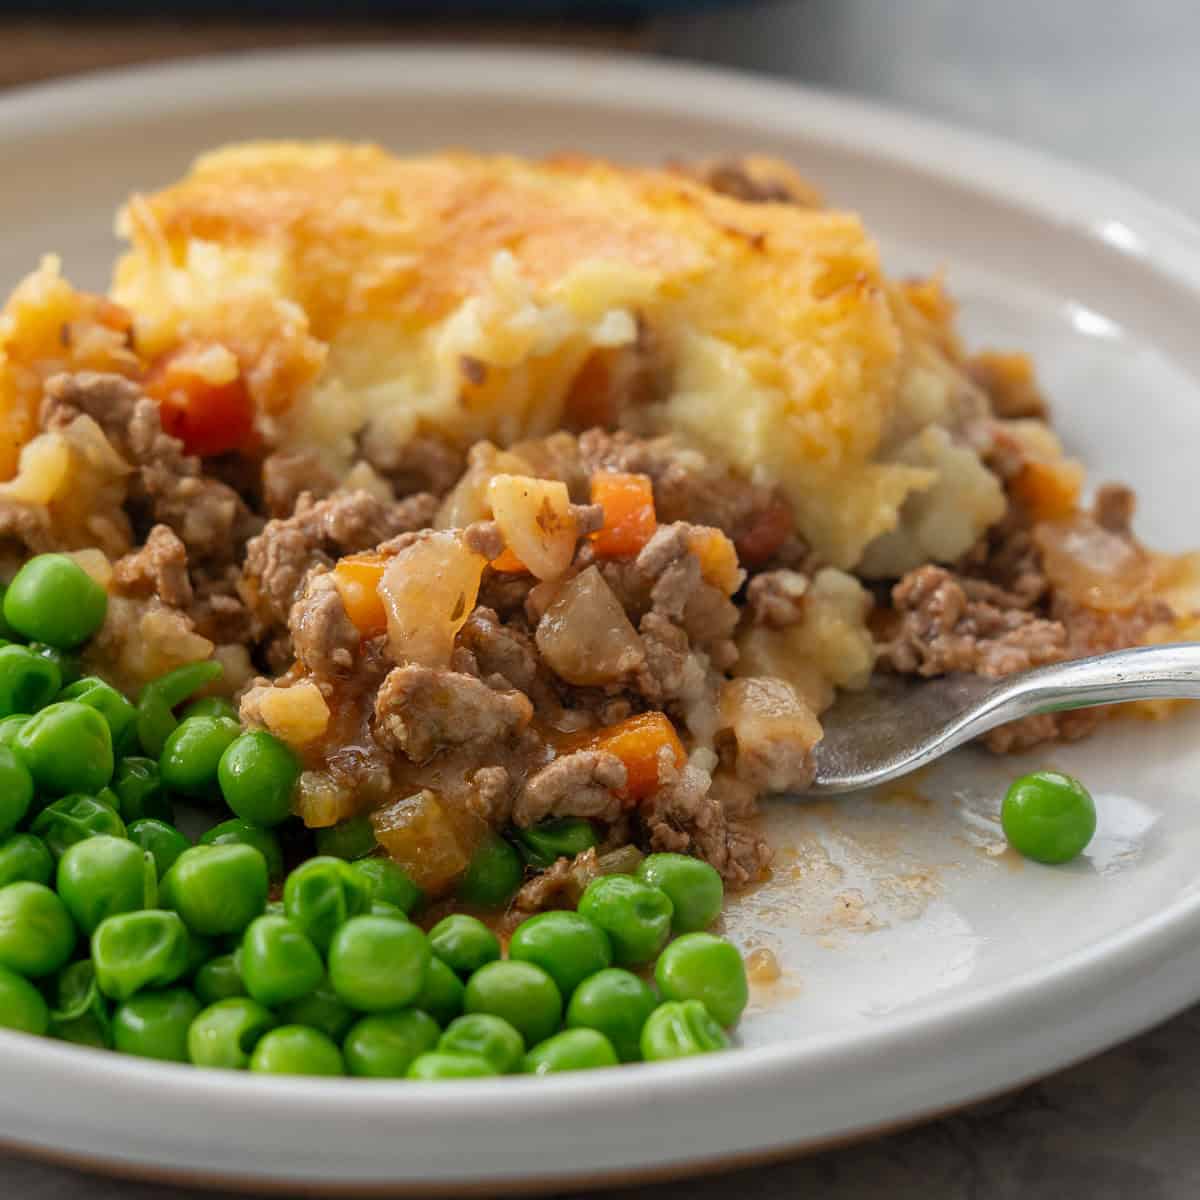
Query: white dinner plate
[923,965]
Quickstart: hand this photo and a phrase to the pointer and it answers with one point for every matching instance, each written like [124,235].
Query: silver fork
[895,727]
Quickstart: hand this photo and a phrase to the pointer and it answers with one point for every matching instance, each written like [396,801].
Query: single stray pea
[699,966]
[487,1036]
[464,943]
[53,599]
[226,1033]
[1048,816]
[694,887]
[636,916]
[571,1050]
[384,1045]
[295,1050]
[439,1065]
[217,889]
[681,1028]
[37,934]
[257,774]
[156,1024]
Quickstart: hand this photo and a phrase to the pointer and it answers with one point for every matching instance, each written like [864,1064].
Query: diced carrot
[637,742]
[508,563]
[356,578]
[208,416]
[629,517]
[1049,491]
[718,558]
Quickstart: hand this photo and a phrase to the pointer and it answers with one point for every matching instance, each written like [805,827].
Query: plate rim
[1163,239]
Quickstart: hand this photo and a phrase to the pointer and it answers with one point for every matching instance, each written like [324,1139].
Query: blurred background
[1113,83]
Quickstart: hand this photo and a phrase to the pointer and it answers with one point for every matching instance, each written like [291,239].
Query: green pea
[53,599]
[108,702]
[28,682]
[139,790]
[279,962]
[67,748]
[74,818]
[237,831]
[21,1004]
[322,1010]
[81,1014]
[23,856]
[617,1004]
[693,886]
[489,1037]
[257,774]
[523,994]
[699,966]
[464,943]
[494,874]
[199,951]
[561,837]
[209,706]
[565,945]
[36,931]
[218,979]
[155,719]
[438,1065]
[636,917]
[163,841]
[384,1046]
[193,749]
[441,995]
[381,908]
[389,882]
[67,663]
[156,1024]
[376,963]
[571,1050]
[11,726]
[322,894]
[7,632]
[225,1033]
[16,791]
[217,889]
[295,1050]
[681,1028]
[131,951]
[350,839]
[102,876]
[1048,816]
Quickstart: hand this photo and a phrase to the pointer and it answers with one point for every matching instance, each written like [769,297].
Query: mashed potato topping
[471,297]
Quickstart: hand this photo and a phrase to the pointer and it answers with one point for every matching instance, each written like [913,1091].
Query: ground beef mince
[612,689]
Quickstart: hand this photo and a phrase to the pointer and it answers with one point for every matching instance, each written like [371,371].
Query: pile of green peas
[116,931]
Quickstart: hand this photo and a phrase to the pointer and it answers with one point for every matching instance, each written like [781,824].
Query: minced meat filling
[485,639]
